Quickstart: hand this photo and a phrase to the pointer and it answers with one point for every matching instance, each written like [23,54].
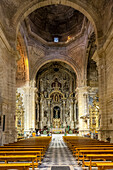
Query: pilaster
[100,59]
[29,104]
[82,108]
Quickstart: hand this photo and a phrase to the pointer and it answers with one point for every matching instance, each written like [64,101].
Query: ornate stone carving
[56,92]
[19,115]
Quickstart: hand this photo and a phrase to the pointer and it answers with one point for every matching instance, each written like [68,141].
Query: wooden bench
[22,149]
[37,153]
[17,158]
[98,157]
[19,166]
[89,149]
[32,149]
[77,150]
[104,165]
[83,152]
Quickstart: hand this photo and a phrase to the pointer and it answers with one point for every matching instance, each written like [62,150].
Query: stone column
[71,115]
[49,114]
[7,95]
[75,114]
[61,114]
[100,59]
[29,105]
[37,107]
[41,113]
[26,106]
[8,57]
[32,105]
[82,105]
[64,112]
[75,111]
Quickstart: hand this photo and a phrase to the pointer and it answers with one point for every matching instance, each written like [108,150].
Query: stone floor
[58,156]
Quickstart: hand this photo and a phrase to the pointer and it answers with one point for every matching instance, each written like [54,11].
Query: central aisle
[58,154]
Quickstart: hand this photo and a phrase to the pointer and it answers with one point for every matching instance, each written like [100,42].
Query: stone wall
[7,94]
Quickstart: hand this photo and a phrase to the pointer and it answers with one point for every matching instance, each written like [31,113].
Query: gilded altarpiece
[19,116]
[55,97]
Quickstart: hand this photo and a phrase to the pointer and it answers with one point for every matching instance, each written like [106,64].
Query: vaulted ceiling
[56,21]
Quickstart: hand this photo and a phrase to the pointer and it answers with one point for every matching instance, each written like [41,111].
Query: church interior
[56,70]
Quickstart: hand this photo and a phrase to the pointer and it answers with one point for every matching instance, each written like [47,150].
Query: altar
[57,130]
[56,123]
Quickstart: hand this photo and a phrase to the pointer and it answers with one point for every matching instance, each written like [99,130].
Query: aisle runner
[58,154]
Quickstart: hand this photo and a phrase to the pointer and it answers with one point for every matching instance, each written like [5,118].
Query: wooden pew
[85,152]
[20,149]
[83,147]
[37,153]
[17,158]
[27,149]
[98,156]
[104,165]
[90,146]
[19,166]
[77,150]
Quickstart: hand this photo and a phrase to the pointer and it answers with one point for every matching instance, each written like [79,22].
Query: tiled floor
[58,154]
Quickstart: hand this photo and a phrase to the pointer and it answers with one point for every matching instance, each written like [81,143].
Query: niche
[110,120]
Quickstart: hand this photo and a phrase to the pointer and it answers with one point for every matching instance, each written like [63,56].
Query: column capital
[82,88]
[99,54]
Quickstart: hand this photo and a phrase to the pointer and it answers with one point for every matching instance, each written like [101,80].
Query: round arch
[22,63]
[49,59]
[83,7]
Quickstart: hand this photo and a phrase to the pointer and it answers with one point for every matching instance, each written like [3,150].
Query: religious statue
[56,115]
[56,98]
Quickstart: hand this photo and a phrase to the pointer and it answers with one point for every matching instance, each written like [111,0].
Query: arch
[49,59]
[22,63]
[56,91]
[81,6]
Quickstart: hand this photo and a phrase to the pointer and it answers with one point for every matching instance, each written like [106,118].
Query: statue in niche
[56,112]
[67,94]
[56,115]
[56,84]
[56,98]
[68,113]
[45,94]
[45,113]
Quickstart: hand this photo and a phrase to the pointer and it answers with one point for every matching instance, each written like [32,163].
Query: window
[56,39]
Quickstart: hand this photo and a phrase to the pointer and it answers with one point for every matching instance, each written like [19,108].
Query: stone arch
[64,59]
[22,64]
[83,7]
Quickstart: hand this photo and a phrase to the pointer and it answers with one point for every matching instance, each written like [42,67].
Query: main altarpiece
[55,97]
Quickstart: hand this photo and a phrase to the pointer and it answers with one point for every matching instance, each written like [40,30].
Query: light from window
[56,39]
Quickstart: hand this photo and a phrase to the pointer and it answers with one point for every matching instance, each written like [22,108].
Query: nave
[59,156]
[57,153]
